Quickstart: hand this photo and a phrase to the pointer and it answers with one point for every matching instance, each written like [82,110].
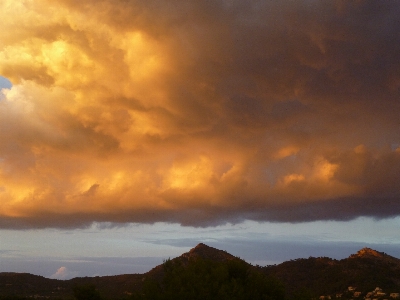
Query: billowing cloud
[198,112]
[63,273]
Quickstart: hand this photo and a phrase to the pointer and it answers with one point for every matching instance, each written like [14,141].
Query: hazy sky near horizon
[136,248]
[197,115]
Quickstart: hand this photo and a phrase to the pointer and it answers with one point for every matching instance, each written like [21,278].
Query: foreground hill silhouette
[208,273]
[302,278]
[200,251]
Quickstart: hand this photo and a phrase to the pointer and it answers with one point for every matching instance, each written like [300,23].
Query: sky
[132,130]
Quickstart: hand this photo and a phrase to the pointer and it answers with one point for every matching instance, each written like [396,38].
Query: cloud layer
[198,112]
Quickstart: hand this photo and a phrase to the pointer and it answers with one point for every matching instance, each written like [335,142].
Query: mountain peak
[371,253]
[200,251]
[207,252]
[368,252]
[201,246]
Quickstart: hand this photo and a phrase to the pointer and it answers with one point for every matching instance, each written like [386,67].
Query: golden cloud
[199,112]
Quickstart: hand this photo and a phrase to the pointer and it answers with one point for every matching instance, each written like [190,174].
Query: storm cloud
[198,112]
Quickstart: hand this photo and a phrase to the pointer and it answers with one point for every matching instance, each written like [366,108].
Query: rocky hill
[309,277]
[206,252]
[365,270]
[201,250]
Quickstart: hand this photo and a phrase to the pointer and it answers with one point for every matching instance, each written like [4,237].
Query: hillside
[201,250]
[24,284]
[28,285]
[366,270]
[309,277]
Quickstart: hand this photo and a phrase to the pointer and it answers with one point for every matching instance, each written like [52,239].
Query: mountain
[207,252]
[24,284]
[313,276]
[200,251]
[368,253]
[119,286]
[366,270]
[28,285]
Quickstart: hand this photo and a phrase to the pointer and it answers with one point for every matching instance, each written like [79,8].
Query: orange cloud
[286,151]
[197,113]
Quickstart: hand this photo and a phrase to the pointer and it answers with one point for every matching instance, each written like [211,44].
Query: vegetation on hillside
[86,292]
[207,279]
[326,276]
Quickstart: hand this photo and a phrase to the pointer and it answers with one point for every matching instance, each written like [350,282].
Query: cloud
[199,113]
[63,274]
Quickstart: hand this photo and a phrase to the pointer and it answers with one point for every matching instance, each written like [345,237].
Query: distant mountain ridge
[366,269]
